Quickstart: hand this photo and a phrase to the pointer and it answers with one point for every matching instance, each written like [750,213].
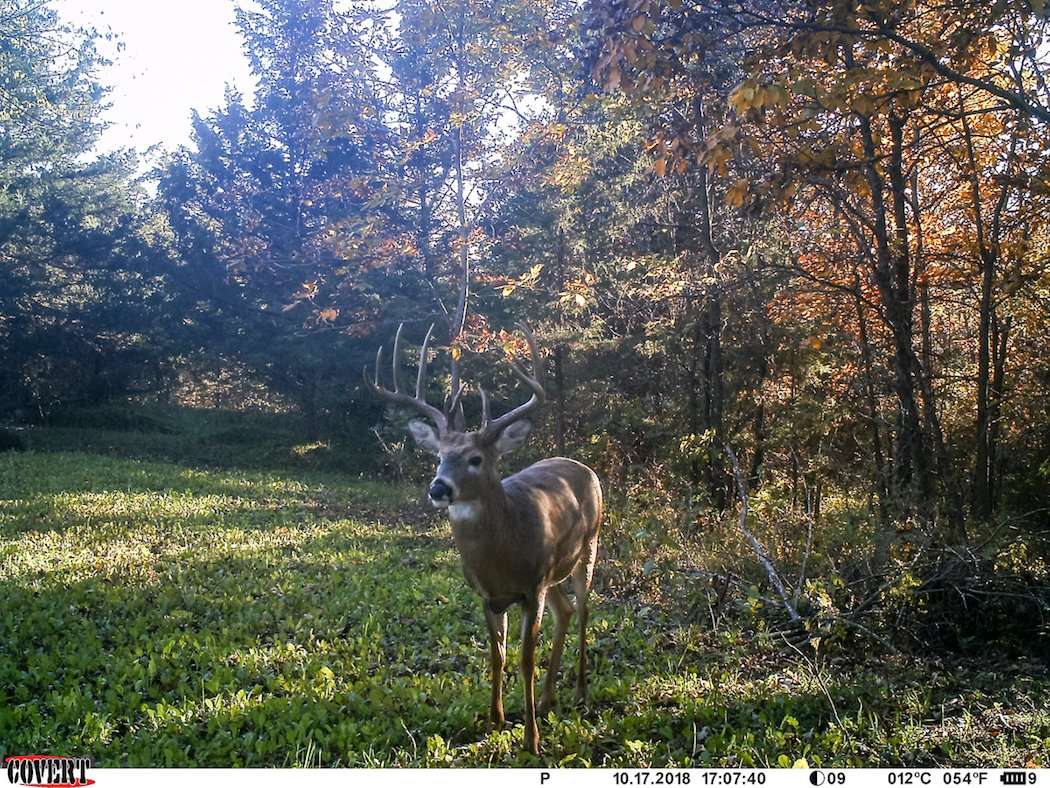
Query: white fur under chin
[468,510]
[442,504]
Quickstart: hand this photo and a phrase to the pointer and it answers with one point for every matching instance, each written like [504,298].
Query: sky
[176,57]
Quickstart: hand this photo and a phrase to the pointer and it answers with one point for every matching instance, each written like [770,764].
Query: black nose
[439,490]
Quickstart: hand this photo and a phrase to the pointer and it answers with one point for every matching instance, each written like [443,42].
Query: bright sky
[177,56]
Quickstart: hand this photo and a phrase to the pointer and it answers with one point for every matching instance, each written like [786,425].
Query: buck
[518,537]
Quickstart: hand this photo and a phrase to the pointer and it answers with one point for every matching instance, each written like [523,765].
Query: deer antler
[418,402]
[491,428]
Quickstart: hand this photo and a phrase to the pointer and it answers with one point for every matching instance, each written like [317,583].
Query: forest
[787,264]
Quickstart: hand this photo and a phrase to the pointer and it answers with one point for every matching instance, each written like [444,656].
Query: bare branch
[759,549]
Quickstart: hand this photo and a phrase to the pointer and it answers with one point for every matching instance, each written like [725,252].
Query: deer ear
[513,436]
[425,436]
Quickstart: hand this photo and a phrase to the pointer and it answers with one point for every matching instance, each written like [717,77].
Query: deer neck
[480,515]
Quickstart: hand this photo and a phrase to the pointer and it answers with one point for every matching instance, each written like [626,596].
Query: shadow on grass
[358,649]
[176,617]
[346,654]
[56,491]
[113,655]
[208,438]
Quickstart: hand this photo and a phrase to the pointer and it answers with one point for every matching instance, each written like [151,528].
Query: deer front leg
[530,635]
[497,624]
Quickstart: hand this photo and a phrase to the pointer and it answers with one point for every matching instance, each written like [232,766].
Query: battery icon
[1014,778]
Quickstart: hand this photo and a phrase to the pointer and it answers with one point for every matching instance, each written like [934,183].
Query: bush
[117,417]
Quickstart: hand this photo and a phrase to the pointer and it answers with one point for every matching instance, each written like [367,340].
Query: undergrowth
[187,614]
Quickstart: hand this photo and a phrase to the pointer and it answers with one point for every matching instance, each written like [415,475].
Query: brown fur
[518,539]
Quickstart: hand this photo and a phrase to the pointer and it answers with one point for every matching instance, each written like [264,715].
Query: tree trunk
[1000,338]
[713,404]
[892,274]
[881,481]
[309,404]
[559,399]
[982,493]
[718,481]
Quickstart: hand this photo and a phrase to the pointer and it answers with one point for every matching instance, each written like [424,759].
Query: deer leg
[530,636]
[563,611]
[581,586]
[497,624]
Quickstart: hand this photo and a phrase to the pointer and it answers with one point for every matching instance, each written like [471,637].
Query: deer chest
[498,571]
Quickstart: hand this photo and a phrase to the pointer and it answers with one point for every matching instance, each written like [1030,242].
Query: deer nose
[440,491]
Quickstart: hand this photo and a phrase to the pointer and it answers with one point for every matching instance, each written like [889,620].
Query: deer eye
[475,461]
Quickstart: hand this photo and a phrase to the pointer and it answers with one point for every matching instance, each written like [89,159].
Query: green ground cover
[161,614]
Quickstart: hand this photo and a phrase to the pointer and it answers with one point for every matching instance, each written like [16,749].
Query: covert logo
[47,771]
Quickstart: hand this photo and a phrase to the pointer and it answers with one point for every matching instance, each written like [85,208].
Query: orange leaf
[736,195]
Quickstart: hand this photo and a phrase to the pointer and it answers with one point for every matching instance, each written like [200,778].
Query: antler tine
[494,427]
[537,362]
[453,403]
[533,380]
[422,374]
[459,418]
[396,396]
[395,366]
[484,409]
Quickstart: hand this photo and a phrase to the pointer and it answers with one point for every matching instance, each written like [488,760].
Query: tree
[78,272]
[276,210]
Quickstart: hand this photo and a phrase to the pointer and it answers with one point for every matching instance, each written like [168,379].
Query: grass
[161,614]
[208,438]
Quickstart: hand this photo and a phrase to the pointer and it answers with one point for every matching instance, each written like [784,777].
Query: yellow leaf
[328,315]
[801,763]
[742,96]
[455,353]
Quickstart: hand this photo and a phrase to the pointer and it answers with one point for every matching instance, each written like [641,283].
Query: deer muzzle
[441,493]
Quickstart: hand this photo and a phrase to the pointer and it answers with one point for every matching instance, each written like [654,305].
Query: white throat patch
[465,512]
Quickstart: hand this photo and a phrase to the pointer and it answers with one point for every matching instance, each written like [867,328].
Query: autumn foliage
[810,234]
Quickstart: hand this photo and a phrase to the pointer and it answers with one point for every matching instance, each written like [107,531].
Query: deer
[519,537]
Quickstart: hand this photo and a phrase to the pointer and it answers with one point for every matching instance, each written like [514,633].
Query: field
[170,614]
